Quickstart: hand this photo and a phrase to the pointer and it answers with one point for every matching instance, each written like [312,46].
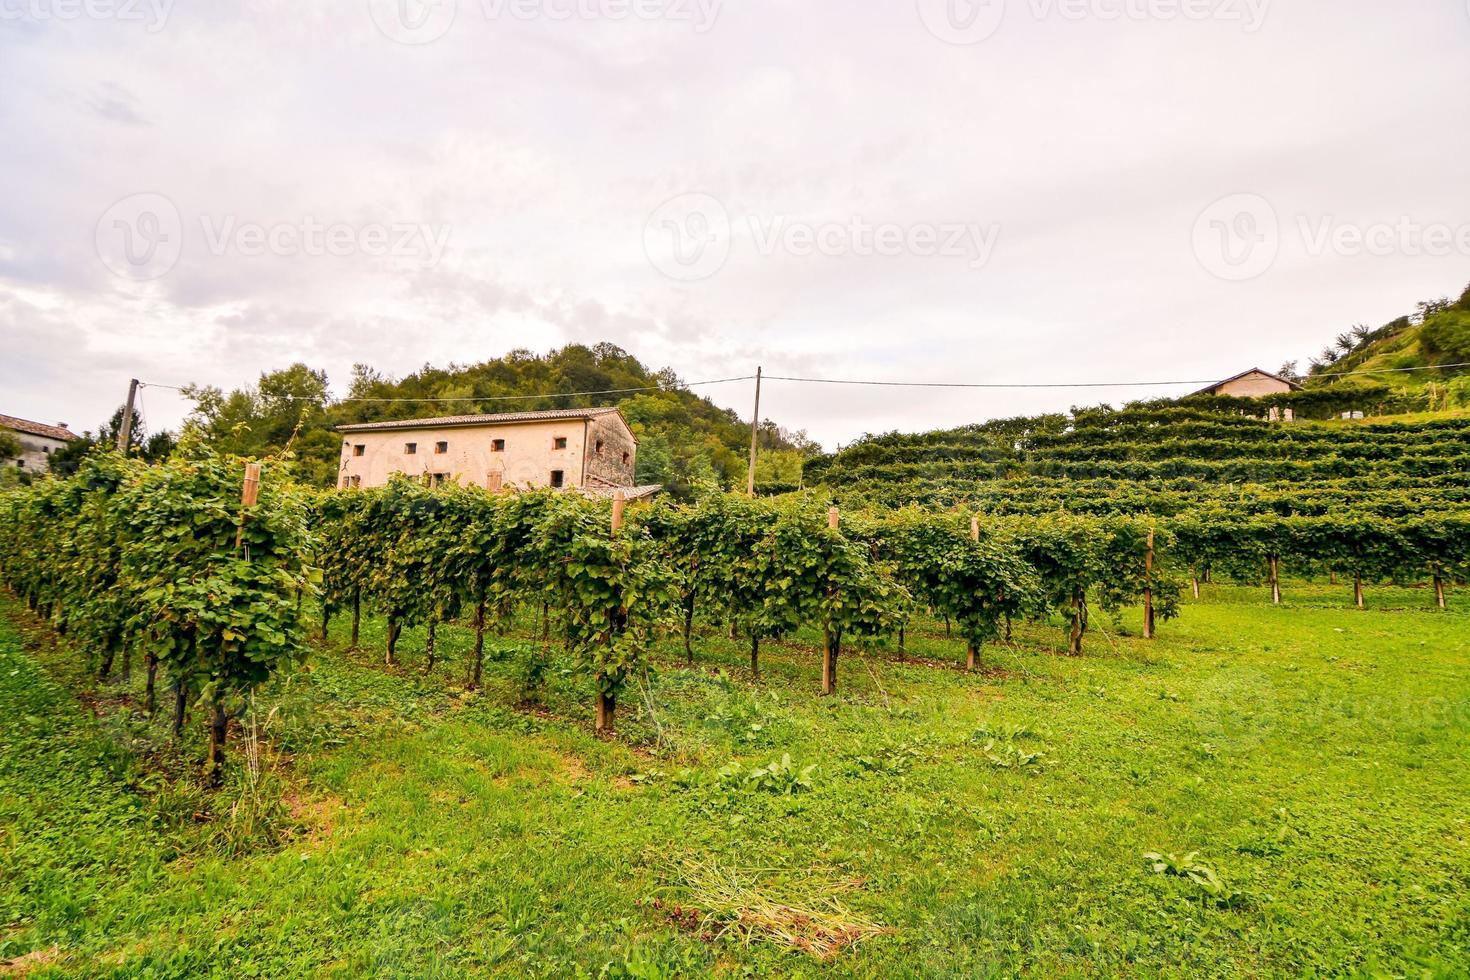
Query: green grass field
[1314,757]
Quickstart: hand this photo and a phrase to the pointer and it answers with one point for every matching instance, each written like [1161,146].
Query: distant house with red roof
[37,442]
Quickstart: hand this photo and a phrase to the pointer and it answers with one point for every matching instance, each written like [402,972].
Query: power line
[1079,384]
[1427,367]
[682,386]
[563,394]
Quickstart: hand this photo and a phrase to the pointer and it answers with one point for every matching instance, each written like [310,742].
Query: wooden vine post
[972,653]
[1439,587]
[477,661]
[607,705]
[1148,588]
[219,719]
[1074,638]
[1275,566]
[1358,589]
[249,495]
[829,646]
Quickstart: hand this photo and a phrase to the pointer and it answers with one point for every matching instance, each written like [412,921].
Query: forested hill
[684,438]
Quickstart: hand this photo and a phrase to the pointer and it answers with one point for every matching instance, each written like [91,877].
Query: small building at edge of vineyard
[588,449]
[1254,383]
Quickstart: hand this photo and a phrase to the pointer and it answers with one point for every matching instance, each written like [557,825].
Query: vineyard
[206,586]
[1163,460]
[155,561]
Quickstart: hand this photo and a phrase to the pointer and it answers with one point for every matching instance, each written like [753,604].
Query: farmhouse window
[560,442]
[359,450]
[437,479]
[357,481]
[558,478]
[410,448]
[599,447]
[494,483]
[626,458]
[441,448]
[497,446]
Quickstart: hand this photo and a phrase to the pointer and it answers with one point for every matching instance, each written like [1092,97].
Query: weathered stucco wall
[1254,385]
[35,451]
[612,453]
[470,458]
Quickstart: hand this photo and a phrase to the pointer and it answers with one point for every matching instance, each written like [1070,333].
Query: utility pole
[125,431]
[755,428]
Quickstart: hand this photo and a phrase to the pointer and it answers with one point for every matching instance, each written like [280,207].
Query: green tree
[1446,336]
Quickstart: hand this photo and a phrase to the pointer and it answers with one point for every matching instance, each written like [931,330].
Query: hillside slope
[1438,333]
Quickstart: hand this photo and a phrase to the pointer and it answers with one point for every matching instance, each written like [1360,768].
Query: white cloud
[543,146]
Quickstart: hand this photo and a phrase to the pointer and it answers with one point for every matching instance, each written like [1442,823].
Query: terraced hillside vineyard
[1161,459]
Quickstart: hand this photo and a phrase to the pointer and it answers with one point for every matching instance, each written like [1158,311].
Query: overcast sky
[1019,191]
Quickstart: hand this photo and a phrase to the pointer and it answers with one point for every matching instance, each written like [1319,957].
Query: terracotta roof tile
[60,432]
[629,493]
[460,420]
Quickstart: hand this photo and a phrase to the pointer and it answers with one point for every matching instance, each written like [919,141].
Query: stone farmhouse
[37,442]
[588,449]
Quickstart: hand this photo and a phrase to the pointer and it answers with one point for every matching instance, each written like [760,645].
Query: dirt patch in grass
[316,816]
[572,770]
[28,963]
